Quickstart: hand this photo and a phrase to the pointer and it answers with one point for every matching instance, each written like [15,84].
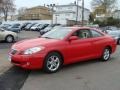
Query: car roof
[76,28]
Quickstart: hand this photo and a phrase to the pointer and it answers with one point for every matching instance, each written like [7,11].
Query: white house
[65,13]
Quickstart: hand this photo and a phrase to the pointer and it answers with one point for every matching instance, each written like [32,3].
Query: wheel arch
[9,35]
[110,47]
[57,51]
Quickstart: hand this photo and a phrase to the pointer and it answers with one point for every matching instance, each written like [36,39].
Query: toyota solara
[62,46]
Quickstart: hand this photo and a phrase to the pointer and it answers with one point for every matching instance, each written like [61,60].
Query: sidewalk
[4,63]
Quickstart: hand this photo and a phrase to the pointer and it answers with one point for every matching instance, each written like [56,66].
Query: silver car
[115,34]
[8,36]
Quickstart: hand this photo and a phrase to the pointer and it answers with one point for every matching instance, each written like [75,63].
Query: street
[90,75]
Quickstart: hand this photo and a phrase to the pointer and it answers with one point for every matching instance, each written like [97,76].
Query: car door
[80,49]
[2,32]
[98,41]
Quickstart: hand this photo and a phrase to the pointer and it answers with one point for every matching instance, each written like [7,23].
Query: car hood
[25,44]
[33,27]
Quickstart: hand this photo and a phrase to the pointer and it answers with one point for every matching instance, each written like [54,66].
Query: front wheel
[106,54]
[52,63]
[9,39]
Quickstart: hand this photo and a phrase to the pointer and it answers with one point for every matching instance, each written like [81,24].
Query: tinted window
[82,34]
[16,26]
[96,34]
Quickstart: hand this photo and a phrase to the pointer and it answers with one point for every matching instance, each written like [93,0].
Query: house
[36,13]
[70,14]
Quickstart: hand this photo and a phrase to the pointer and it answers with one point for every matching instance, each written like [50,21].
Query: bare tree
[22,11]
[108,5]
[6,7]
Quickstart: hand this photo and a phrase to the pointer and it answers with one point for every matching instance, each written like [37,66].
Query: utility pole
[77,4]
[1,2]
[51,6]
[82,12]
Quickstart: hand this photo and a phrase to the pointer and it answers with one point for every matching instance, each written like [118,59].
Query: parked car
[5,26]
[41,27]
[60,47]
[7,36]
[24,25]
[34,27]
[14,28]
[48,28]
[114,32]
[0,22]
[28,27]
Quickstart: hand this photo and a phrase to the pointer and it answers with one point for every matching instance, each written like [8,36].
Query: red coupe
[62,46]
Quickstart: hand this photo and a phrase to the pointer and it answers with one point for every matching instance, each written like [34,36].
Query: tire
[9,39]
[118,42]
[106,54]
[52,63]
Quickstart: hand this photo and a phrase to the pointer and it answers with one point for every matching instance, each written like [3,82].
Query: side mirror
[73,38]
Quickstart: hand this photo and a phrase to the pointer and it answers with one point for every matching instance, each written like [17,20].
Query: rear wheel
[106,54]
[9,39]
[52,63]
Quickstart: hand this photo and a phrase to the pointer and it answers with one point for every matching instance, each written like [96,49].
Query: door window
[82,34]
[96,34]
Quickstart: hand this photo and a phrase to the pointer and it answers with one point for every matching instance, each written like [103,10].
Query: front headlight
[33,50]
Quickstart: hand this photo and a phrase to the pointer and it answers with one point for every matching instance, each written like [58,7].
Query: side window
[96,34]
[82,34]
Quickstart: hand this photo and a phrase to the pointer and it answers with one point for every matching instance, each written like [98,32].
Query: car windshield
[28,25]
[15,26]
[57,33]
[36,25]
[49,27]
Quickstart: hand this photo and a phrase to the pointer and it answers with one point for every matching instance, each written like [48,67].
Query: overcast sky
[31,3]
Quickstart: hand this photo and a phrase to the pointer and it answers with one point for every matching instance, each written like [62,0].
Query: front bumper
[28,61]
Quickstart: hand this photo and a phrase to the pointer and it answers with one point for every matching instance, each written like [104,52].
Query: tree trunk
[5,17]
[5,14]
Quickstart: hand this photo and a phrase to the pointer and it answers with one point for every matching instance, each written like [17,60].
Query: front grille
[13,51]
